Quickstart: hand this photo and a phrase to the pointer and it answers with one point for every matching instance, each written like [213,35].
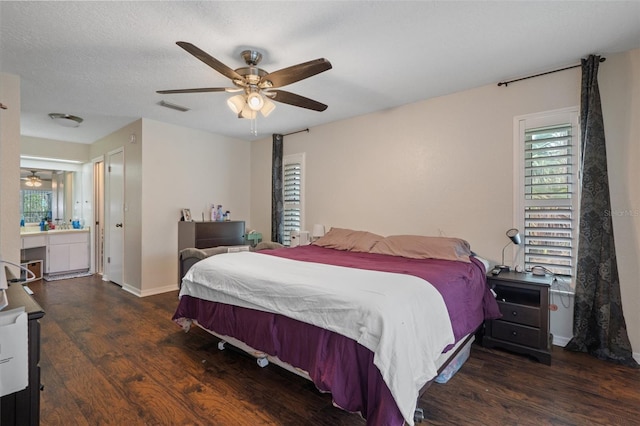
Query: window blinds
[292,187]
[549,193]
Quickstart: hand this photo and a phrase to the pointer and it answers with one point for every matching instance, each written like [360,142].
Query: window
[293,197]
[35,205]
[548,190]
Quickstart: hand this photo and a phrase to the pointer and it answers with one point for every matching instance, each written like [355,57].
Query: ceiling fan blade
[295,100]
[210,60]
[295,73]
[201,90]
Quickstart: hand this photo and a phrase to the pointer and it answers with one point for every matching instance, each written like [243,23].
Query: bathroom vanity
[63,251]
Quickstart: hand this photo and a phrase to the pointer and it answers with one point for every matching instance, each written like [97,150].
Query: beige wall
[184,168]
[444,166]
[619,81]
[10,169]
[51,148]
[167,168]
[132,195]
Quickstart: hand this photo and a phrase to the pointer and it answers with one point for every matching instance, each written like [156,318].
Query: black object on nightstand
[523,299]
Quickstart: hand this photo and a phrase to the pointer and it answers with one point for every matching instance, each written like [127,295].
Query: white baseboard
[561,340]
[130,289]
[150,292]
[636,356]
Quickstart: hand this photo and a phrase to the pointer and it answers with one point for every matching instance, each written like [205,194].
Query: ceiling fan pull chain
[254,125]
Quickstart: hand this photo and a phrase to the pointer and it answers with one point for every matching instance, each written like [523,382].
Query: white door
[115,221]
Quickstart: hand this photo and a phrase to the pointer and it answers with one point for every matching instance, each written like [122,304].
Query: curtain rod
[299,131]
[506,83]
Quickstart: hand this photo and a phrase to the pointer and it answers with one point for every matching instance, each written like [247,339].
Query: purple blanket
[336,363]
[463,286]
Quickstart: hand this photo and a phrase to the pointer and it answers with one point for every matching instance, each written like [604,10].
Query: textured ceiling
[104,61]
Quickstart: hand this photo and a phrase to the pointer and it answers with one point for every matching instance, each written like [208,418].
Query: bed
[371,319]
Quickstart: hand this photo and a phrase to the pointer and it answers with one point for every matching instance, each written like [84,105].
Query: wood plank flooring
[111,358]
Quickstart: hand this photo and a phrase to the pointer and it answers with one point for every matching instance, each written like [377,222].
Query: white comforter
[402,319]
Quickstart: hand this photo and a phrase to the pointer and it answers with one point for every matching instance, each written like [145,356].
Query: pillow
[266,245]
[419,247]
[482,260]
[348,239]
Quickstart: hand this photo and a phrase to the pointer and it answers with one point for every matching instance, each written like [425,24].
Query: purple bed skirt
[335,363]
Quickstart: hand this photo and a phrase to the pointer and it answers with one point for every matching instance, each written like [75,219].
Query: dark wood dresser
[23,408]
[523,299]
[210,234]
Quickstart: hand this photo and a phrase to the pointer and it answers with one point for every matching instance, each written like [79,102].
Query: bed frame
[263,360]
[189,257]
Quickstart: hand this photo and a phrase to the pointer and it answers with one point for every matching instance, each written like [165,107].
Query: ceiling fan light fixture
[248,113]
[255,101]
[268,107]
[66,120]
[33,180]
[236,103]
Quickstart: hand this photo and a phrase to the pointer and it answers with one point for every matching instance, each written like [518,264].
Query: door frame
[98,257]
[107,218]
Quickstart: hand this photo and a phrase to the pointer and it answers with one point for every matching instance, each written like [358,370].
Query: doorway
[98,202]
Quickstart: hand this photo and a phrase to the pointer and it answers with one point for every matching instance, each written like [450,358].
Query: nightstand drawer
[515,333]
[520,314]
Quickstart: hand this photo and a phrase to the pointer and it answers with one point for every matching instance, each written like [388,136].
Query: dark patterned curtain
[277,205]
[598,323]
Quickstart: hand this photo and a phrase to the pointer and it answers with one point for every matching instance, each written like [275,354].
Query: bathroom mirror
[46,193]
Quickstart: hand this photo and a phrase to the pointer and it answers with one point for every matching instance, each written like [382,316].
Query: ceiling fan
[33,179]
[258,86]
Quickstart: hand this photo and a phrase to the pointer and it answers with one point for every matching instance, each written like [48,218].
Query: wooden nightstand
[524,327]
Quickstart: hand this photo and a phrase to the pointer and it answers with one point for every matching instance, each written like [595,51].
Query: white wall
[185,168]
[444,166]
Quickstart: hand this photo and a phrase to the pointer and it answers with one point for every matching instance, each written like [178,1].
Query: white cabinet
[33,241]
[58,258]
[67,252]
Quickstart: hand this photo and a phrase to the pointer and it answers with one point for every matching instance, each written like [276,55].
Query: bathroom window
[35,205]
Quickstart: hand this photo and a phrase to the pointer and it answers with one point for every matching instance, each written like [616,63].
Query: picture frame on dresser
[186,215]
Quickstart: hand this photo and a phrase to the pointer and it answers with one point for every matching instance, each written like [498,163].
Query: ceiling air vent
[173,106]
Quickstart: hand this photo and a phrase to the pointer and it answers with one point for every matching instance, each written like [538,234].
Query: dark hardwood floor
[110,358]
